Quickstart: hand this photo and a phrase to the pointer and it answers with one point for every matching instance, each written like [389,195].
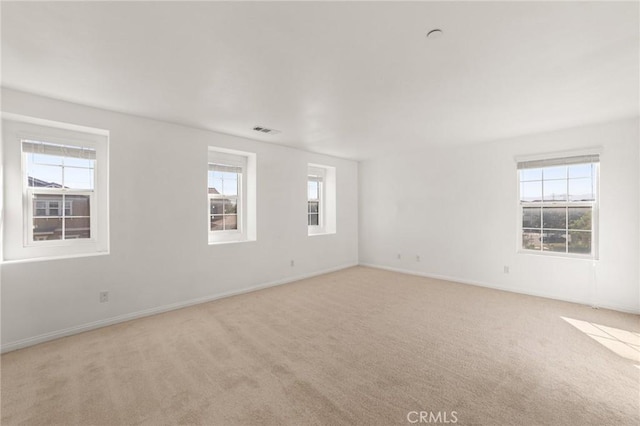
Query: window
[231,196]
[60,191]
[559,205]
[315,203]
[56,190]
[225,197]
[321,199]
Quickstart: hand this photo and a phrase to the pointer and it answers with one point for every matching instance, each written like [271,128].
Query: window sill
[319,233]
[557,255]
[47,258]
[87,242]
[217,243]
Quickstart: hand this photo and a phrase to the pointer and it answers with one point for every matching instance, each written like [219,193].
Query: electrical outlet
[104,296]
[293,263]
[417,258]
[506,269]
[399,256]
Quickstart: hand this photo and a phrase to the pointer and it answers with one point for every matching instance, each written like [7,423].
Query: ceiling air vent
[265,130]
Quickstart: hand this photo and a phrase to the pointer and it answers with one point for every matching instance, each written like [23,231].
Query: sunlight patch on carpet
[622,342]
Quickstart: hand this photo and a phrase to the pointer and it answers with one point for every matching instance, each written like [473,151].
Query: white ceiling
[348,79]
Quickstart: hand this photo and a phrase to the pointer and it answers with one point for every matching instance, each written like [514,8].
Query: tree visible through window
[558,201]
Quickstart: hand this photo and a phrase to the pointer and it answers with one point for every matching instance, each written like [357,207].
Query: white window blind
[226,159]
[224,168]
[46,148]
[564,161]
[316,172]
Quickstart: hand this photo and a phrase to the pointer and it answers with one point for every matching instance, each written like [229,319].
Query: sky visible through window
[312,190]
[69,172]
[562,183]
[225,183]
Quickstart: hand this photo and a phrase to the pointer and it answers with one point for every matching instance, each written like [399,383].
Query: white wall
[160,255]
[457,209]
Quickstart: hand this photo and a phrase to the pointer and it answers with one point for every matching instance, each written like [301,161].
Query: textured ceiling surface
[354,79]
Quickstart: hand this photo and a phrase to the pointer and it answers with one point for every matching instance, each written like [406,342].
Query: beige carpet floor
[358,346]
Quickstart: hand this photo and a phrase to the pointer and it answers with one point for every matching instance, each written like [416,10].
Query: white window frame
[31,192]
[317,174]
[551,160]
[327,197]
[19,242]
[246,191]
[234,234]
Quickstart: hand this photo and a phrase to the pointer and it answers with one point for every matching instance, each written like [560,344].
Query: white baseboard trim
[30,341]
[619,308]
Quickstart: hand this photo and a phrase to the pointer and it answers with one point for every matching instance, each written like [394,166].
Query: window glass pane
[215,206]
[231,221]
[531,191]
[580,242]
[77,205]
[531,217]
[54,160]
[581,189]
[554,241]
[229,176]
[45,229]
[43,176]
[531,239]
[79,162]
[555,190]
[530,174]
[558,172]
[230,206]
[47,205]
[230,184]
[554,217]
[217,223]
[313,219]
[580,171]
[75,178]
[312,190]
[215,184]
[40,208]
[313,206]
[77,227]
[580,218]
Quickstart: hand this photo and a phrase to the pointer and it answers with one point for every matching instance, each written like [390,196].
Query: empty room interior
[320,213]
